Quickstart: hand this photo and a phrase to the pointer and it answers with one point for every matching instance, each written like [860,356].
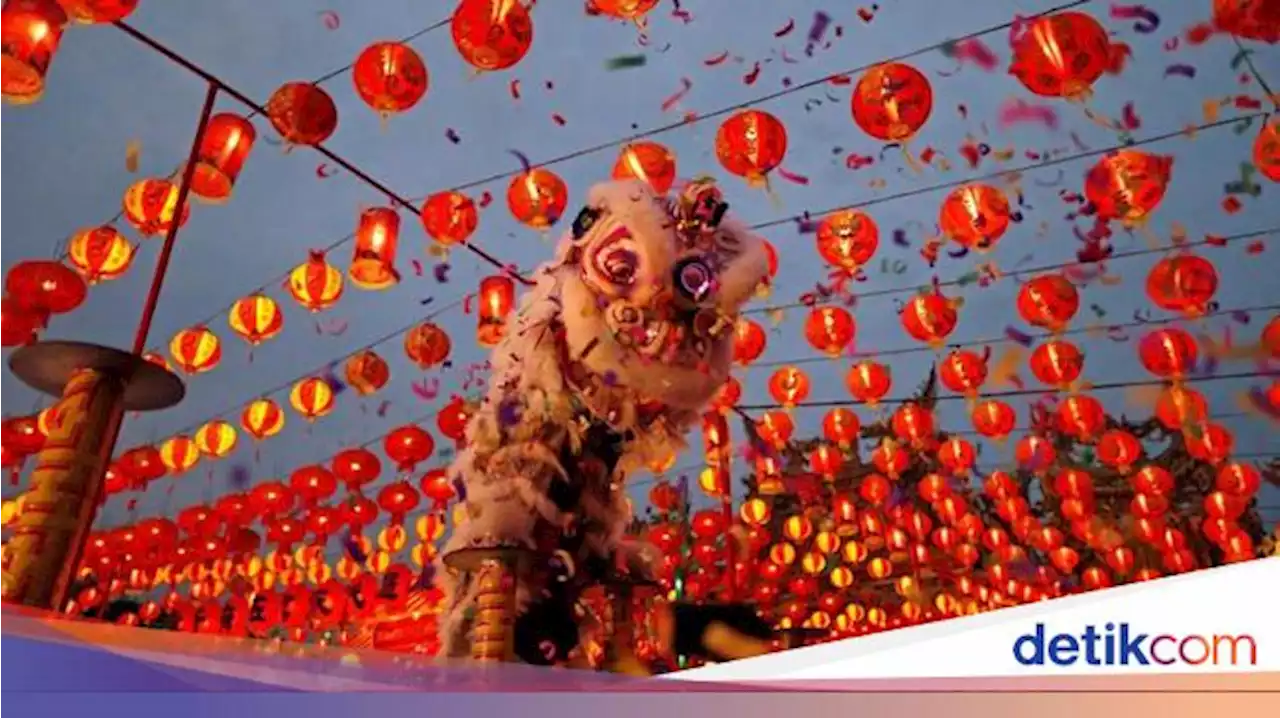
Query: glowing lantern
[1179,407]
[929,318]
[993,419]
[771,257]
[216,439]
[390,77]
[537,198]
[648,162]
[408,446]
[749,341]
[728,395]
[1168,353]
[150,205]
[495,301]
[1211,443]
[963,372]
[256,318]
[44,287]
[1119,449]
[1057,363]
[262,419]
[1061,55]
[302,113]
[776,428]
[20,325]
[914,424]
[975,216]
[1236,479]
[223,150]
[891,102]
[847,239]
[101,253]
[89,12]
[366,372]
[1082,417]
[1048,301]
[452,419]
[1266,151]
[633,10]
[1270,337]
[750,144]
[427,345]
[31,29]
[1183,283]
[398,499]
[956,456]
[492,34]
[179,454]
[312,398]
[1127,185]
[841,426]
[1034,453]
[789,386]
[868,382]
[196,350]
[356,468]
[830,329]
[449,217]
[826,461]
[315,284]
[1248,19]
[373,264]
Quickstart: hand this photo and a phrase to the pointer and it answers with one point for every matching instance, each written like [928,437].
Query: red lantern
[1168,353]
[313,484]
[315,284]
[495,300]
[19,326]
[1057,363]
[633,10]
[44,287]
[492,34]
[914,424]
[868,382]
[366,372]
[830,329]
[1049,301]
[993,419]
[143,463]
[728,395]
[1240,480]
[751,144]
[789,386]
[771,257]
[31,31]
[312,397]
[1179,407]
[91,12]
[398,499]
[302,113]
[956,456]
[1183,283]
[749,341]
[262,419]
[841,426]
[408,446]
[1248,19]
[1266,151]
[648,162]
[150,205]
[452,420]
[356,467]
[891,102]
[929,318]
[537,198]
[256,318]
[179,454]
[1119,449]
[1061,55]
[848,239]
[975,216]
[1270,338]
[775,428]
[1034,453]
[196,350]
[826,461]
[223,150]
[1127,185]
[99,254]
[1211,443]
[216,439]
[963,372]
[449,217]
[373,264]
[1082,417]
[427,345]
[390,77]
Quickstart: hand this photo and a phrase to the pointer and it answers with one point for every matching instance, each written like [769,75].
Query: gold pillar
[58,508]
[493,628]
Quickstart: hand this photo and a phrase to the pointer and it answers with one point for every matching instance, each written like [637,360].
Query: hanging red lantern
[100,254]
[1119,449]
[312,397]
[1034,453]
[1049,301]
[728,396]
[993,419]
[1248,19]
[216,439]
[98,12]
[1168,353]
[453,418]
[18,325]
[271,499]
[975,216]
[315,284]
[749,341]
[495,300]
[842,427]
[1211,443]
[633,10]
[1153,480]
[22,436]
[1128,185]
[302,113]
[648,162]
[398,499]
[1082,417]
[956,456]
[1266,150]
[537,198]
[963,372]
[31,30]
[914,424]
[830,330]
[373,264]
[262,419]
[366,372]
[848,239]
[775,428]
[408,446]
[1057,363]
[789,386]
[1237,479]
[1270,337]
[356,467]
[150,205]
[751,144]
[929,318]
[224,147]
[826,461]
[492,34]
[427,345]
[1183,283]
[313,484]
[771,258]
[891,102]
[868,382]
[256,318]
[449,217]
[1061,55]
[1179,407]
[196,350]
[390,77]
[179,454]
[45,287]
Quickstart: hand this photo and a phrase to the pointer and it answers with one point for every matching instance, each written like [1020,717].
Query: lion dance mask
[607,365]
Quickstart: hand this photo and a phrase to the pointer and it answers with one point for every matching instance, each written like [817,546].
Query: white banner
[1218,620]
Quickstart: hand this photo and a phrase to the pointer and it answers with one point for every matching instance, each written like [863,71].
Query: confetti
[1019,336]
[452,135]
[558,119]
[1017,111]
[441,272]
[685,86]
[717,59]
[330,19]
[428,389]
[819,27]
[132,155]
[1180,70]
[792,177]
[973,51]
[751,77]
[324,171]
[514,89]
[238,477]
[1146,20]
[625,62]
[785,29]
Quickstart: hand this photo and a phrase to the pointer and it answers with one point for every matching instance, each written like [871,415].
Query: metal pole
[89,510]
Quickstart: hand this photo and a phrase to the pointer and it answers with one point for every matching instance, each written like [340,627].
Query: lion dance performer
[609,362]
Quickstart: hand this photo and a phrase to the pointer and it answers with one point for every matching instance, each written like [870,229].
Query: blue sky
[66,164]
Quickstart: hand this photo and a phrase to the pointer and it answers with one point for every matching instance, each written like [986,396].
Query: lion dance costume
[607,365]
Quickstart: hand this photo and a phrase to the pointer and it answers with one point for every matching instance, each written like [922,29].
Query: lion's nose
[694,280]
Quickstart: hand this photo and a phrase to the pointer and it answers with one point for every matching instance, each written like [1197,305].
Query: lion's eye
[586,219]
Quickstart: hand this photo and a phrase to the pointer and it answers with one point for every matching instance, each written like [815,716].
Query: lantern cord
[328,154]
[1247,57]
[1108,386]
